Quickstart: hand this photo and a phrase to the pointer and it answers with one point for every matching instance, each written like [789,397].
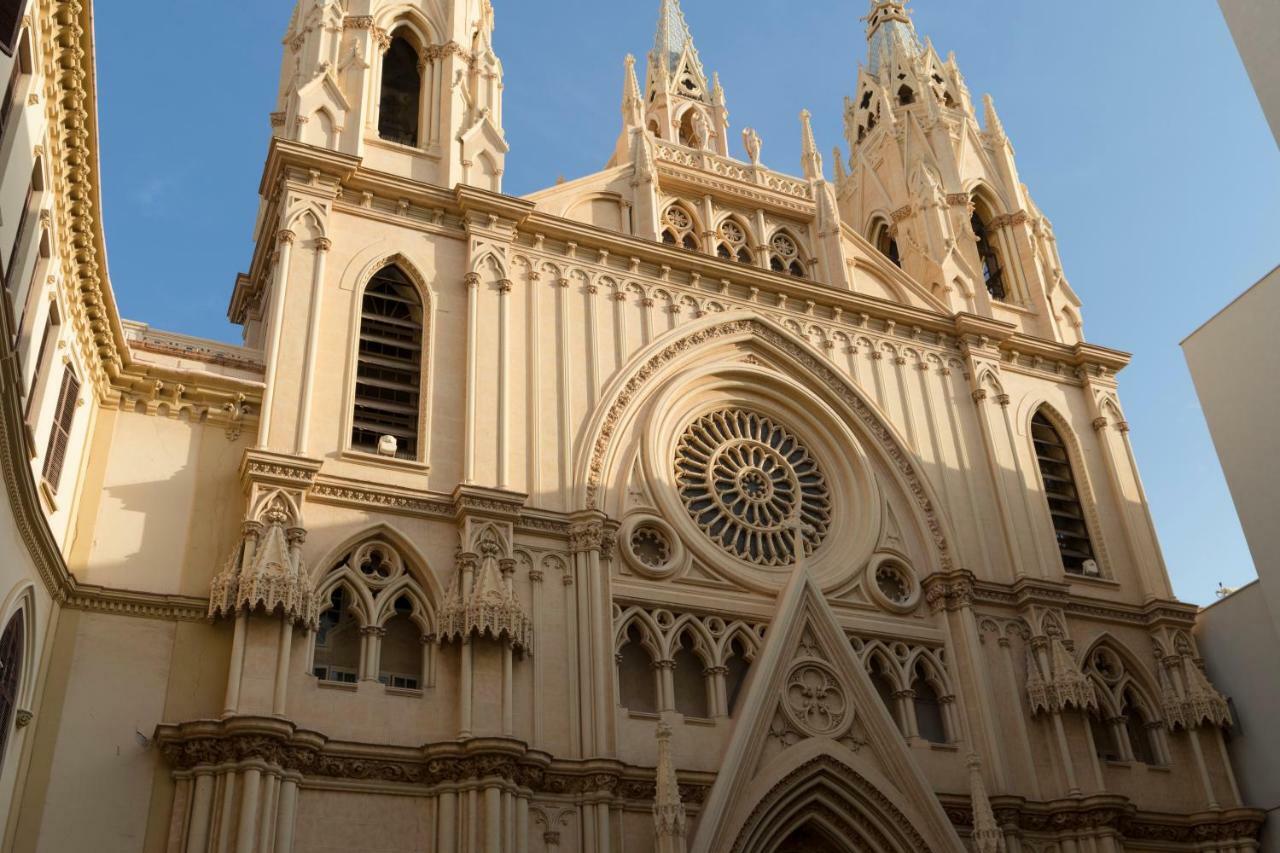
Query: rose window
[895,585]
[651,547]
[785,246]
[748,483]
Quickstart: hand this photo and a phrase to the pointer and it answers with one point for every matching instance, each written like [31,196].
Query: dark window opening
[10,24]
[992,271]
[736,677]
[930,722]
[906,96]
[11,652]
[389,366]
[690,681]
[1070,529]
[1138,727]
[337,653]
[401,94]
[637,679]
[1104,739]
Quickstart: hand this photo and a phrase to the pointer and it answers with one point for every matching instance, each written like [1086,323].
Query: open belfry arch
[691,505]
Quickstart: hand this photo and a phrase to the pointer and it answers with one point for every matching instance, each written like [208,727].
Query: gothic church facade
[686,506]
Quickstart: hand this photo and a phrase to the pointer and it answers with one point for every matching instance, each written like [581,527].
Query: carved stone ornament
[815,701]
[1187,698]
[266,570]
[1064,686]
[668,811]
[481,601]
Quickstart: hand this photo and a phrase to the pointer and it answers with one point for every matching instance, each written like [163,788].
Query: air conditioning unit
[388,446]
[1091,569]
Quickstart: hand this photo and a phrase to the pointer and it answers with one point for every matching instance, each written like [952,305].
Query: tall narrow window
[337,655]
[930,722]
[882,236]
[400,656]
[1104,739]
[1063,496]
[35,186]
[51,324]
[637,679]
[10,673]
[401,99]
[60,432]
[738,667]
[884,689]
[992,269]
[1139,730]
[389,372]
[690,681]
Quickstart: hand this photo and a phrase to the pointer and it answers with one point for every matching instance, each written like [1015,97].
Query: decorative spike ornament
[987,837]
[995,129]
[668,811]
[632,100]
[812,158]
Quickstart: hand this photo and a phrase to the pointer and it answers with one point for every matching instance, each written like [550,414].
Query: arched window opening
[401,99]
[785,256]
[11,652]
[653,128]
[1139,729]
[906,96]
[1063,496]
[1104,739]
[400,660]
[930,720]
[693,129]
[637,679]
[886,243]
[389,369]
[733,242]
[809,839]
[992,268]
[738,666]
[337,656]
[690,681]
[866,100]
[678,228]
[884,689]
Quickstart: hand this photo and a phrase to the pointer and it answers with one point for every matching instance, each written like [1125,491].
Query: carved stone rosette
[266,570]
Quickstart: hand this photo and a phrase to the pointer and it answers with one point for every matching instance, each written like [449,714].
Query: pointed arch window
[1063,496]
[11,655]
[733,242]
[988,254]
[376,625]
[678,227]
[785,256]
[400,102]
[637,676]
[885,242]
[389,367]
[1140,730]
[927,704]
[885,688]
[690,679]
[736,669]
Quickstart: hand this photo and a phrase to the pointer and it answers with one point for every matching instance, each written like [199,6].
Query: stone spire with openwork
[684,104]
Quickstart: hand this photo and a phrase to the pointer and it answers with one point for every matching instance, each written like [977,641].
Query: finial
[986,832]
[632,101]
[668,810]
[994,127]
[812,157]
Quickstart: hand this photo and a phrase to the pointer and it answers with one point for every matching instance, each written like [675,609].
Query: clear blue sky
[1134,124]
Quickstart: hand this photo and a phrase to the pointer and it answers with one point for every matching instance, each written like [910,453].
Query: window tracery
[733,242]
[389,367]
[913,684]
[678,228]
[1124,727]
[690,663]
[376,624]
[748,483]
[785,256]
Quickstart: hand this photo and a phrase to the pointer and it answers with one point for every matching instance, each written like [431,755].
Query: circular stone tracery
[747,483]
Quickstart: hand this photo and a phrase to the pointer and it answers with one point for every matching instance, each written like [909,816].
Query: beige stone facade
[689,506]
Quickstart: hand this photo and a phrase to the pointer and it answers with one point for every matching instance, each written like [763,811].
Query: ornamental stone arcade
[686,507]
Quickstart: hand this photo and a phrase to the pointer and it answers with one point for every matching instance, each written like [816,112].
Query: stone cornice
[1110,812]
[281,744]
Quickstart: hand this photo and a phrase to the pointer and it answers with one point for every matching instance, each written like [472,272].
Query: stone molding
[1112,812]
[281,744]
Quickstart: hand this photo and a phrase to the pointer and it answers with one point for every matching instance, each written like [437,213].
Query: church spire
[673,39]
[889,30]
[683,104]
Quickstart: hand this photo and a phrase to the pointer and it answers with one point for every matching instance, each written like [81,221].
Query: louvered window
[1064,497]
[10,672]
[389,372]
[992,269]
[60,434]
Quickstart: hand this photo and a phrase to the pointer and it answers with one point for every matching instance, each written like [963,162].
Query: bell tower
[938,192]
[414,89]
[681,105]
